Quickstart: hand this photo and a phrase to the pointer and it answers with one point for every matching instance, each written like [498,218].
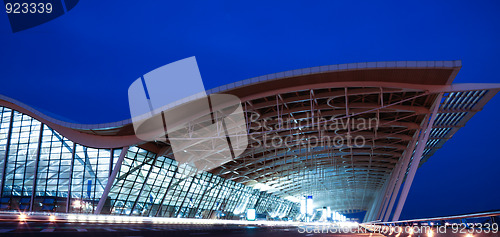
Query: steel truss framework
[351,135]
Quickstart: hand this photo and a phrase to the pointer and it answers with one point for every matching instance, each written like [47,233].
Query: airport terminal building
[55,166]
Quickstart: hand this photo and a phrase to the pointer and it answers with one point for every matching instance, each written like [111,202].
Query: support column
[35,175]
[111,156]
[401,175]
[369,211]
[375,205]
[387,192]
[68,200]
[111,180]
[398,177]
[422,142]
[378,205]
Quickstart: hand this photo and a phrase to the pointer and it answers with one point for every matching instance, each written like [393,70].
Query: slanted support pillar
[387,192]
[377,205]
[401,175]
[68,200]
[111,180]
[417,156]
[373,207]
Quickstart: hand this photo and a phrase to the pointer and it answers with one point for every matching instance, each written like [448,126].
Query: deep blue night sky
[79,66]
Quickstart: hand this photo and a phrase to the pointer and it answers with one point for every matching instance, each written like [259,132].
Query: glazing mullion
[153,185]
[7,148]
[96,180]
[179,188]
[217,198]
[59,168]
[83,177]
[203,194]
[213,197]
[172,180]
[145,182]
[185,196]
[167,181]
[188,181]
[161,185]
[133,182]
[238,198]
[174,188]
[119,192]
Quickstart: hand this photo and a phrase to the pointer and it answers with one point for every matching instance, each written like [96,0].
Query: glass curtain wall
[42,170]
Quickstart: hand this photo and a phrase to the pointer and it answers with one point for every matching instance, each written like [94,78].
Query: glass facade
[42,170]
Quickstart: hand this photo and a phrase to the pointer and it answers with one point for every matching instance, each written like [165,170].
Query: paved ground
[16,228]
[38,228]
